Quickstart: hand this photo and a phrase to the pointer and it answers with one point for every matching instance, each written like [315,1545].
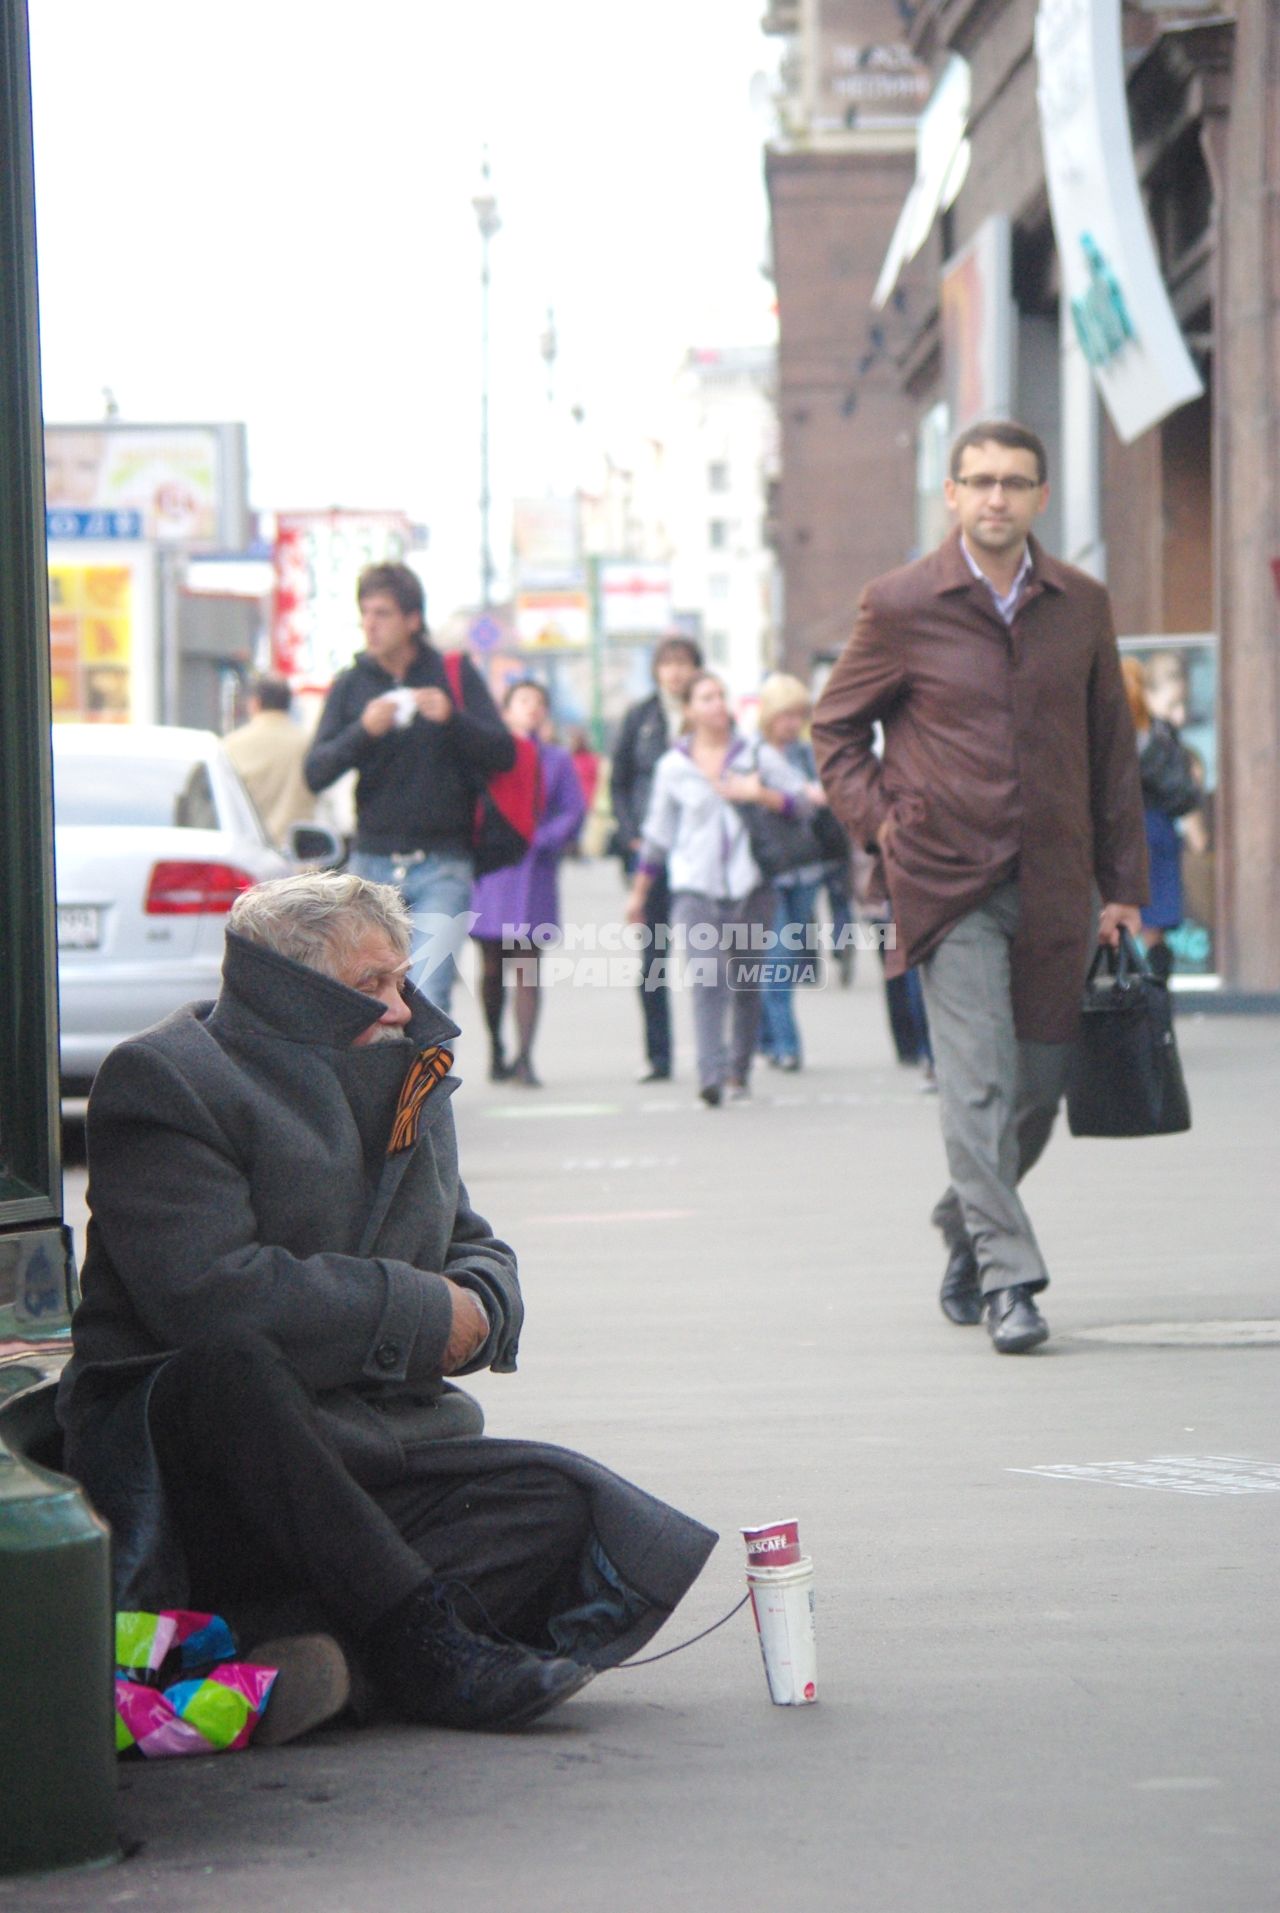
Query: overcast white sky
[261,210]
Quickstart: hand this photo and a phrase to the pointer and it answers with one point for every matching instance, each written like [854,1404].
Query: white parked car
[155,838]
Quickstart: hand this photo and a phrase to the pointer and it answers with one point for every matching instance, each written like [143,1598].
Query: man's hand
[1116,917]
[470,1328]
[436,706]
[379,715]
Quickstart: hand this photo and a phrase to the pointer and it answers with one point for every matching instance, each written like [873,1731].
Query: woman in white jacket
[722,906]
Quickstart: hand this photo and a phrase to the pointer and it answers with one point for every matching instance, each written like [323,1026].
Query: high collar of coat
[953,573]
[264,991]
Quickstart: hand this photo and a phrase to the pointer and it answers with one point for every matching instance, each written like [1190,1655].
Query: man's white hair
[320,916]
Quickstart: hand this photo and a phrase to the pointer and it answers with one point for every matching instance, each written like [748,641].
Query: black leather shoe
[960,1296]
[1014,1322]
[656,1073]
[430,1668]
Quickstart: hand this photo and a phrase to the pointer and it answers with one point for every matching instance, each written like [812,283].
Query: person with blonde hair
[784,711]
[697,828]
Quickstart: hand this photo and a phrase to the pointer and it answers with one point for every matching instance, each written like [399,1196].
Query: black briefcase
[1125,1076]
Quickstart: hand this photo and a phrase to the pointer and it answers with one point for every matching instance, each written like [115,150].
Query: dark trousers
[271,1519]
[908,1021]
[656,1001]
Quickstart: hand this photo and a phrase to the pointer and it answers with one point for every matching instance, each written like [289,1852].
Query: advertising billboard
[319,555]
[101,643]
[172,484]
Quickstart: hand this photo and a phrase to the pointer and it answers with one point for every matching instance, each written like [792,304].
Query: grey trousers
[719,979]
[998,1096]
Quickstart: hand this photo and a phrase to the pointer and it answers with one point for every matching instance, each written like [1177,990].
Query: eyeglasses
[984,483]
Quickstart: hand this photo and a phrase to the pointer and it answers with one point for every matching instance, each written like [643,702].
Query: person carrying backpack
[422,755]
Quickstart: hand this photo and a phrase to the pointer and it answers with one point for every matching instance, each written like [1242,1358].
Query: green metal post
[57,1752]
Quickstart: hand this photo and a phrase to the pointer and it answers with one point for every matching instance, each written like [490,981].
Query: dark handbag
[508,803]
[1125,1077]
[1168,776]
[831,836]
[779,843]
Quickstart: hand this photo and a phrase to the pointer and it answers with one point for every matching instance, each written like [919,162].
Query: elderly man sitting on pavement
[282,1268]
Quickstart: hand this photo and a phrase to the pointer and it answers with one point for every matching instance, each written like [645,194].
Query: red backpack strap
[453,671]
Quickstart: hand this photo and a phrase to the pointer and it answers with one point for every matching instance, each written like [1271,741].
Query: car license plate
[79,926]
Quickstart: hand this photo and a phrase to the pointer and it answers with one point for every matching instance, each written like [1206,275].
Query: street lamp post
[486,211]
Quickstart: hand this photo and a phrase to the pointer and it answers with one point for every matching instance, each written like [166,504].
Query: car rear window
[166,792]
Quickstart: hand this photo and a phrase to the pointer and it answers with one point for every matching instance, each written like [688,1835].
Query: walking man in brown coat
[1006,795]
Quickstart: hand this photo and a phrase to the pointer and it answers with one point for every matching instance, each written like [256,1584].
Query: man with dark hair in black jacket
[421,759]
[648,729]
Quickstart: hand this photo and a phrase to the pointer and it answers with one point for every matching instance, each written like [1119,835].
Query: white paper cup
[782,1600]
[406,706]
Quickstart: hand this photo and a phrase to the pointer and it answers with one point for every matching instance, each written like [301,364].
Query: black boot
[432,1669]
[960,1295]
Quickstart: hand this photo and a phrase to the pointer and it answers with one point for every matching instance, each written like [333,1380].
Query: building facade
[1159,399]
[1087,238]
[721,461]
[837,173]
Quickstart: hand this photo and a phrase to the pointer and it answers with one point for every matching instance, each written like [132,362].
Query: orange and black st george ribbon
[429,1067]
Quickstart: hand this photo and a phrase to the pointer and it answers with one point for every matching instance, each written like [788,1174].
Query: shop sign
[635,598]
[1110,272]
[545,534]
[555,620]
[93,524]
[942,163]
[92,617]
[978,326]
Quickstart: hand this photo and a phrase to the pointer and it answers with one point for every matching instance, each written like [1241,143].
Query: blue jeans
[795,905]
[437,890]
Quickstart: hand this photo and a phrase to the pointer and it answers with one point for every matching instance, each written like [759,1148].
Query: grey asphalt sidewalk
[1038,1690]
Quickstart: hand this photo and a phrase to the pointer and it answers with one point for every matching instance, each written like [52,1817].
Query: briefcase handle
[1125,964]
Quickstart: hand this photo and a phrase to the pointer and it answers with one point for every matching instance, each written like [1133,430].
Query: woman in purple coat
[515,903]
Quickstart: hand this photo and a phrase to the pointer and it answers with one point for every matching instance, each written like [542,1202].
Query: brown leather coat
[1007,750]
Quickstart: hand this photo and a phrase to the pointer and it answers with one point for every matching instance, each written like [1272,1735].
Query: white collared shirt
[1007,604]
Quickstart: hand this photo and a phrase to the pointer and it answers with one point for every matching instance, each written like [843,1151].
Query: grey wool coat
[238,1173]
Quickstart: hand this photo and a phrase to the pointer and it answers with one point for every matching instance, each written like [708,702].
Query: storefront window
[1180,677]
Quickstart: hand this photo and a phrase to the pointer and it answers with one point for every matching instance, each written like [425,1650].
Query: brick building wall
[846,500]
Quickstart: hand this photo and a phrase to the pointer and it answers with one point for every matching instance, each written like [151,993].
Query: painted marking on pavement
[827,1099]
[1177,1783]
[1261,1332]
[619,1215]
[593,1165]
[1176,1474]
[515,1111]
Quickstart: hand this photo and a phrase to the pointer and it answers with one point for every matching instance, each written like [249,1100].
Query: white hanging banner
[1110,273]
